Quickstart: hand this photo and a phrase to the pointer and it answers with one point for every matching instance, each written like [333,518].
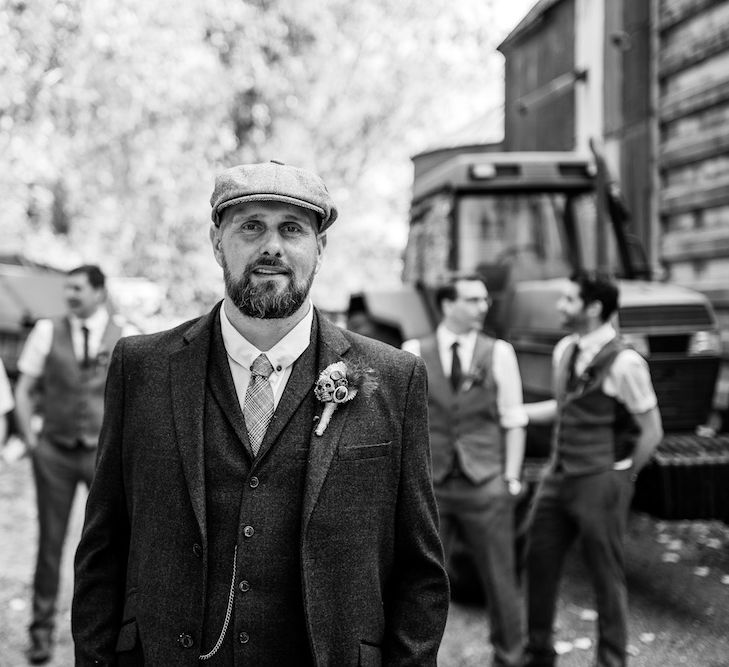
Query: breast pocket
[373,451]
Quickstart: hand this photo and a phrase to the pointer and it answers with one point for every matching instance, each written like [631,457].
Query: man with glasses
[477,438]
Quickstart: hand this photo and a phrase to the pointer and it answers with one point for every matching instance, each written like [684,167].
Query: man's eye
[291,229]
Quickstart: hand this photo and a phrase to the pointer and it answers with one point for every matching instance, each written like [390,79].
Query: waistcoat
[593,429]
[73,395]
[256,505]
[464,426]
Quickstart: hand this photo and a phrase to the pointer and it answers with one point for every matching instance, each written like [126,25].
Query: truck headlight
[639,342]
[704,342]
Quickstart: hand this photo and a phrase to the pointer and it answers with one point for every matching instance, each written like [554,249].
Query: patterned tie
[258,404]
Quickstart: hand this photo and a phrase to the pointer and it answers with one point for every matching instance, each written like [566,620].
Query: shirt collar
[97,321]
[282,355]
[447,337]
[597,338]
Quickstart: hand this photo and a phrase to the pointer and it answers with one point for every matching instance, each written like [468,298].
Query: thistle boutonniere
[474,378]
[339,383]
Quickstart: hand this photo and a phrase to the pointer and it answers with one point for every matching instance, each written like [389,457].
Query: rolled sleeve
[510,399]
[32,359]
[629,381]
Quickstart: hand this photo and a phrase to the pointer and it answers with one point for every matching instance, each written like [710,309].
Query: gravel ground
[678,578]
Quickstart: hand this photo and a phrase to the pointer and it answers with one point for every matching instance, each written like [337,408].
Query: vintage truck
[525,222]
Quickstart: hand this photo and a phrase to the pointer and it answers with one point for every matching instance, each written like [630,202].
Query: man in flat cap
[263,493]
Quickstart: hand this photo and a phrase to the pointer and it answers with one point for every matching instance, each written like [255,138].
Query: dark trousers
[594,508]
[57,472]
[483,515]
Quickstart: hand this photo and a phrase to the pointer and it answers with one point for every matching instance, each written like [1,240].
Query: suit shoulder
[370,348]
[166,339]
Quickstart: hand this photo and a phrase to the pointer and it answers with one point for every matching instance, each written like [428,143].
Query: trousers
[594,508]
[483,516]
[57,471]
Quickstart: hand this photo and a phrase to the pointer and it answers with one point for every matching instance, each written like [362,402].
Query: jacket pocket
[369,655]
[348,453]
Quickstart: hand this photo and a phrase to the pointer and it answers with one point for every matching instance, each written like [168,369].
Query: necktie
[571,364]
[85,332]
[258,404]
[455,368]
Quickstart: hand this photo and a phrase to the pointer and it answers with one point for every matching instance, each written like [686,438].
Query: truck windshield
[537,235]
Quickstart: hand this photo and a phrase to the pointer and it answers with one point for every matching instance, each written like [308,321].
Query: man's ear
[595,310]
[215,242]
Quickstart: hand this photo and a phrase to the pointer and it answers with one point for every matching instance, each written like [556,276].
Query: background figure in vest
[477,436]
[63,369]
[607,425]
[230,520]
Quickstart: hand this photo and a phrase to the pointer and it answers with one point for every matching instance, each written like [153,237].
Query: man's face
[82,298]
[571,308]
[468,310]
[269,252]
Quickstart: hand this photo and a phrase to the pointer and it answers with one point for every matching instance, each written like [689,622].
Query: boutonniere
[475,378]
[339,383]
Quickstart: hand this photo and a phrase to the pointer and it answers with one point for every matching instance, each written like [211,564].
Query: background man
[67,360]
[220,526]
[607,426]
[477,440]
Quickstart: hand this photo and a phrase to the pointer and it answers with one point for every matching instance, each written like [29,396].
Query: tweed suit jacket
[375,590]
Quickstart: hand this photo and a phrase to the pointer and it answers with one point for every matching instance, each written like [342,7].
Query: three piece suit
[320,550]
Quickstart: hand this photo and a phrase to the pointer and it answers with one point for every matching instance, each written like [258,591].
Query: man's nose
[271,243]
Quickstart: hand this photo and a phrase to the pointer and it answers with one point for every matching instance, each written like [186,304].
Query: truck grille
[665,316]
[685,389]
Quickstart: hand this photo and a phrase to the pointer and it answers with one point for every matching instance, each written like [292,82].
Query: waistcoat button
[185,640]
[244,586]
[197,550]
[243,637]
[248,531]
[253,482]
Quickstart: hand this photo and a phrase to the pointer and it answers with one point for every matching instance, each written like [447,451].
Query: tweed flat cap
[273,181]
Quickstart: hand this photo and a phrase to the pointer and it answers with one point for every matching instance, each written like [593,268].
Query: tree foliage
[115,116]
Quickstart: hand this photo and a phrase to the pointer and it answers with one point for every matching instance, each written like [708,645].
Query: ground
[678,576]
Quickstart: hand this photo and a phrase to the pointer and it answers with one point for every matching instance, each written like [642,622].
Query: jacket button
[243,637]
[185,640]
[197,550]
[253,482]
[248,531]
[244,586]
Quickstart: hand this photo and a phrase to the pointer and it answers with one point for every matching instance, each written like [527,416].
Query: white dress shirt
[6,395]
[509,397]
[628,379]
[32,359]
[282,355]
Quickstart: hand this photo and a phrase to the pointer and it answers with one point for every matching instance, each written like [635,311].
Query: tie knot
[261,366]
[454,347]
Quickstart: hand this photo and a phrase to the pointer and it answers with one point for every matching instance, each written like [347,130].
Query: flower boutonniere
[475,378]
[339,383]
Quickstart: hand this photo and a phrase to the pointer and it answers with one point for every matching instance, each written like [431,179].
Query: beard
[266,299]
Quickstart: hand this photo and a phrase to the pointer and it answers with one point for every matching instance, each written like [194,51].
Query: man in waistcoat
[63,369]
[607,425]
[477,439]
[263,493]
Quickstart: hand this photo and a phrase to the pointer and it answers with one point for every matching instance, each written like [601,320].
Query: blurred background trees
[115,116]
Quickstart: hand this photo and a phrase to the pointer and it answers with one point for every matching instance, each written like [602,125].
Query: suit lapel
[188,371]
[332,345]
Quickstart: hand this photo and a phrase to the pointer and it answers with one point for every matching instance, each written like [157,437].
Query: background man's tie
[85,361]
[456,373]
[258,404]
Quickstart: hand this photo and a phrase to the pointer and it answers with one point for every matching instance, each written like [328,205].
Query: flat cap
[273,181]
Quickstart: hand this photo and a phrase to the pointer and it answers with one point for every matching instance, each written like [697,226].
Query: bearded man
[237,517]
